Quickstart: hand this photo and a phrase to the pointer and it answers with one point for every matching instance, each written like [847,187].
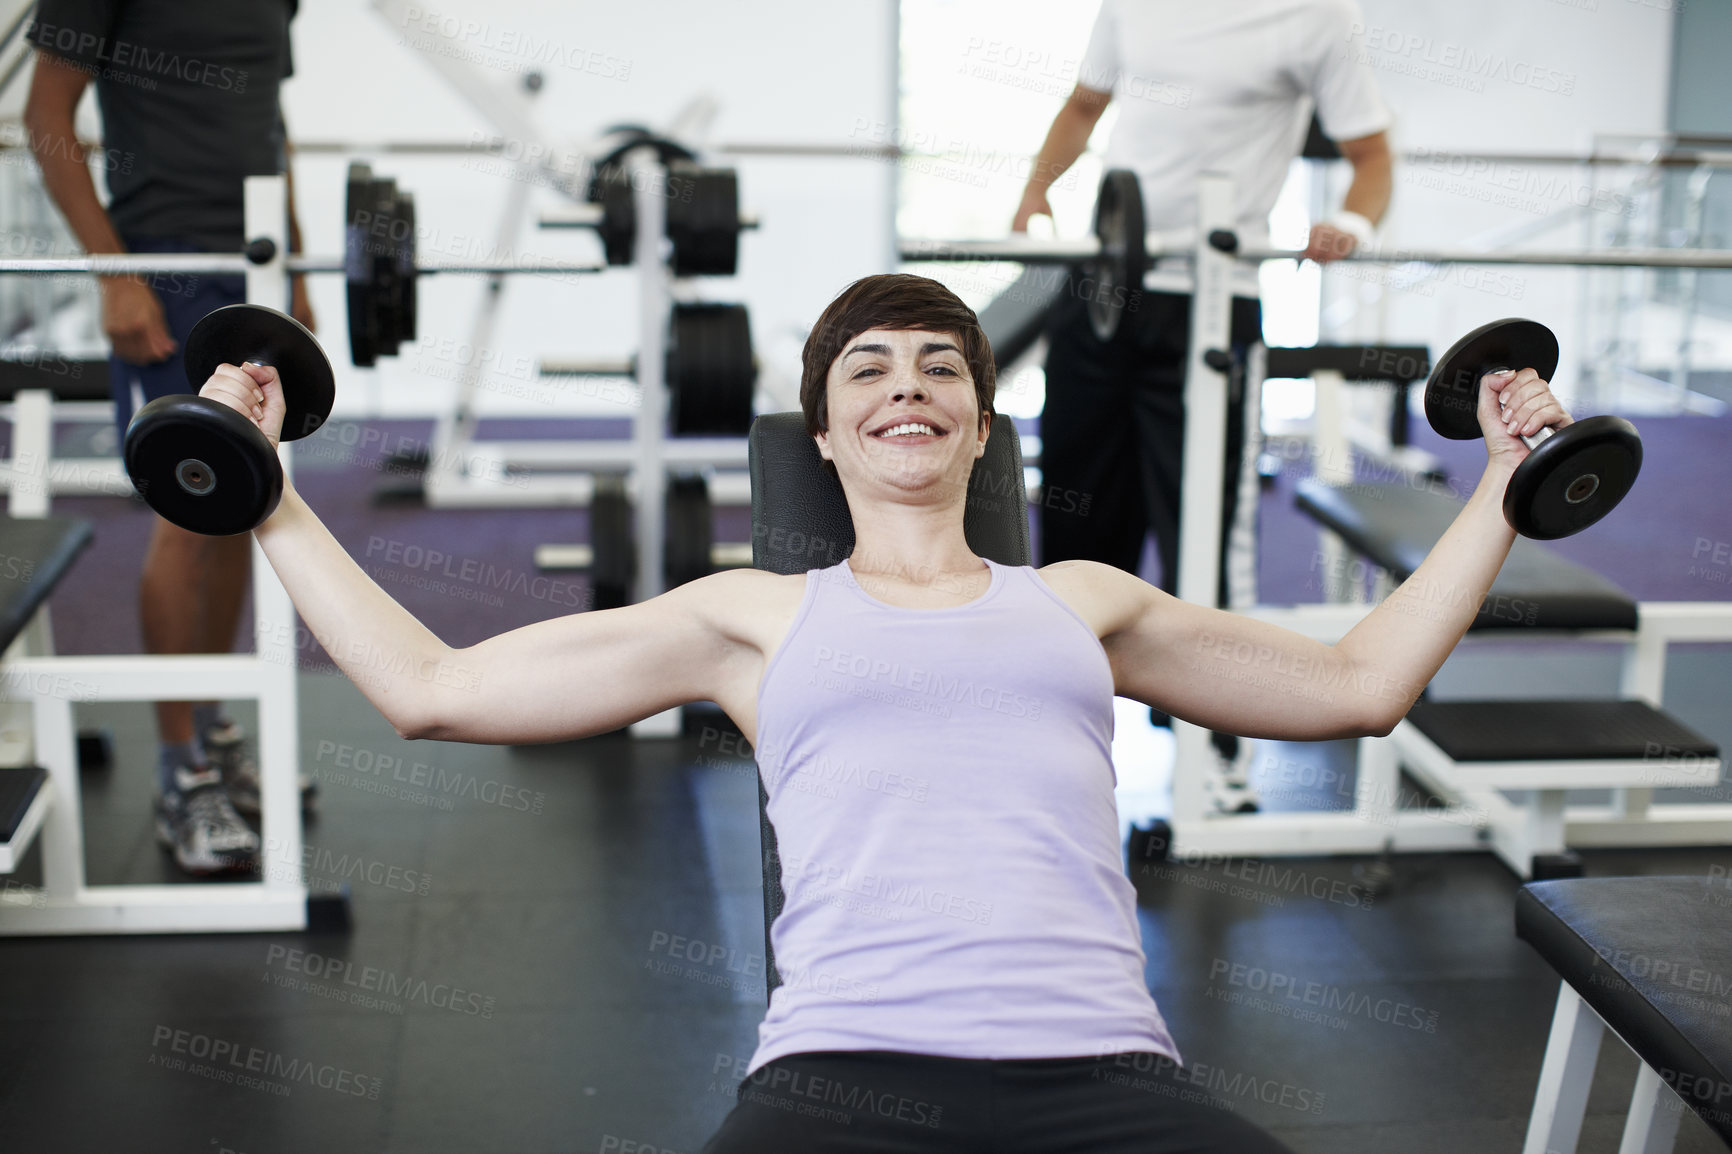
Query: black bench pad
[68,380]
[1557,731]
[1396,526]
[18,788]
[1014,319]
[1653,957]
[35,553]
[1398,364]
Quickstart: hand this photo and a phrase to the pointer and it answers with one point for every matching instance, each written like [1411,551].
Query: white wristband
[1354,225]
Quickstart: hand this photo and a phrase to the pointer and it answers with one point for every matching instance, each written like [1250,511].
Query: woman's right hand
[133,322]
[254,391]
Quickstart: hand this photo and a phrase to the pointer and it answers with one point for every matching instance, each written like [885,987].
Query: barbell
[1114,257]
[381,265]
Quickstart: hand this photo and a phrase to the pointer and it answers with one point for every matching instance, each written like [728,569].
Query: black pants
[874,1103]
[1112,434]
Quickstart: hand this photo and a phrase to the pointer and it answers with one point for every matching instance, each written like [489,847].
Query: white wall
[1503,76]
[780,70]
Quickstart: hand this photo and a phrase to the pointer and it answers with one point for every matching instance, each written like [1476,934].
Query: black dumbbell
[198,462]
[1574,475]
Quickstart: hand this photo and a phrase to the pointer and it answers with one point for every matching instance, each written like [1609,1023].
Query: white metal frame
[1567,1073]
[31,474]
[67,904]
[561,472]
[1479,817]
[1476,816]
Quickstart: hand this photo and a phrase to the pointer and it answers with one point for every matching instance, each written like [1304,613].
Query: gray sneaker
[225,750]
[196,821]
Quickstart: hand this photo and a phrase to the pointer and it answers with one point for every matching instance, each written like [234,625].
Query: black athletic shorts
[872,1101]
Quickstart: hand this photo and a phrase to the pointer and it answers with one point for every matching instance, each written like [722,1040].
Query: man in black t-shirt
[188,94]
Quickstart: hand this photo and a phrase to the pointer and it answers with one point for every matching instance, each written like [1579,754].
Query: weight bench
[39,391]
[1469,752]
[1651,958]
[800,521]
[35,553]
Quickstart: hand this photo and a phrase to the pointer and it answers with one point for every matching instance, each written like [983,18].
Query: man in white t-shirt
[1225,86]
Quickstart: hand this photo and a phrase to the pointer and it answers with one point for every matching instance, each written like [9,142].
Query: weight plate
[613,570]
[358,265]
[687,531]
[1452,391]
[236,333]
[1118,271]
[710,370]
[383,252]
[703,219]
[407,271]
[633,136]
[618,229]
[202,465]
[1573,478]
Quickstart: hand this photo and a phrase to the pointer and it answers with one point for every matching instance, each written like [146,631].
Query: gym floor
[524,904]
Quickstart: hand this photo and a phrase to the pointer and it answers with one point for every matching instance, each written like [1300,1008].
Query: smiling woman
[976,957]
[895,303]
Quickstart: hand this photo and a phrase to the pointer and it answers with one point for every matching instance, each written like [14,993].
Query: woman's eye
[942,369]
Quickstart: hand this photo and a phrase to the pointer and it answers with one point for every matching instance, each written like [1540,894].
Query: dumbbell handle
[1538,438]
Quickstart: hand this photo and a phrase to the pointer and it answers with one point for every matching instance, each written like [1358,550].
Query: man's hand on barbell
[1327,243]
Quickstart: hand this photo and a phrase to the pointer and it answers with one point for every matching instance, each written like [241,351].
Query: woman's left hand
[1513,405]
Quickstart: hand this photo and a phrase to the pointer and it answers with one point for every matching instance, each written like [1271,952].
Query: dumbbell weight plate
[618,231]
[703,219]
[1118,271]
[202,465]
[613,570]
[407,273]
[244,332]
[710,370]
[688,531]
[358,274]
[1573,478]
[382,242]
[1452,390]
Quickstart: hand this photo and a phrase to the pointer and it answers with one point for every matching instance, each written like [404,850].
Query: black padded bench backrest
[1400,364]
[35,553]
[1397,525]
[1653,957]
[67,379]
[800,521]
[1014,319]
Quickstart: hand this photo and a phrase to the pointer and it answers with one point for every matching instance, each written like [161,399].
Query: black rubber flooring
[507,983]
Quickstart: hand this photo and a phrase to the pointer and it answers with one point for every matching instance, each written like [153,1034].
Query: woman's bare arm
[566,678]
[1238,675]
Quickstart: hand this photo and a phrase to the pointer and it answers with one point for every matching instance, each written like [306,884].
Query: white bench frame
[40,690]
[1567,1073]
[1477,816]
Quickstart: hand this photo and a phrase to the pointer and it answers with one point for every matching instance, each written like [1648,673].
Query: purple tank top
[941,784]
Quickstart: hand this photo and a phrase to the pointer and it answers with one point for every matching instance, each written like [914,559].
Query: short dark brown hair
[891,301]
